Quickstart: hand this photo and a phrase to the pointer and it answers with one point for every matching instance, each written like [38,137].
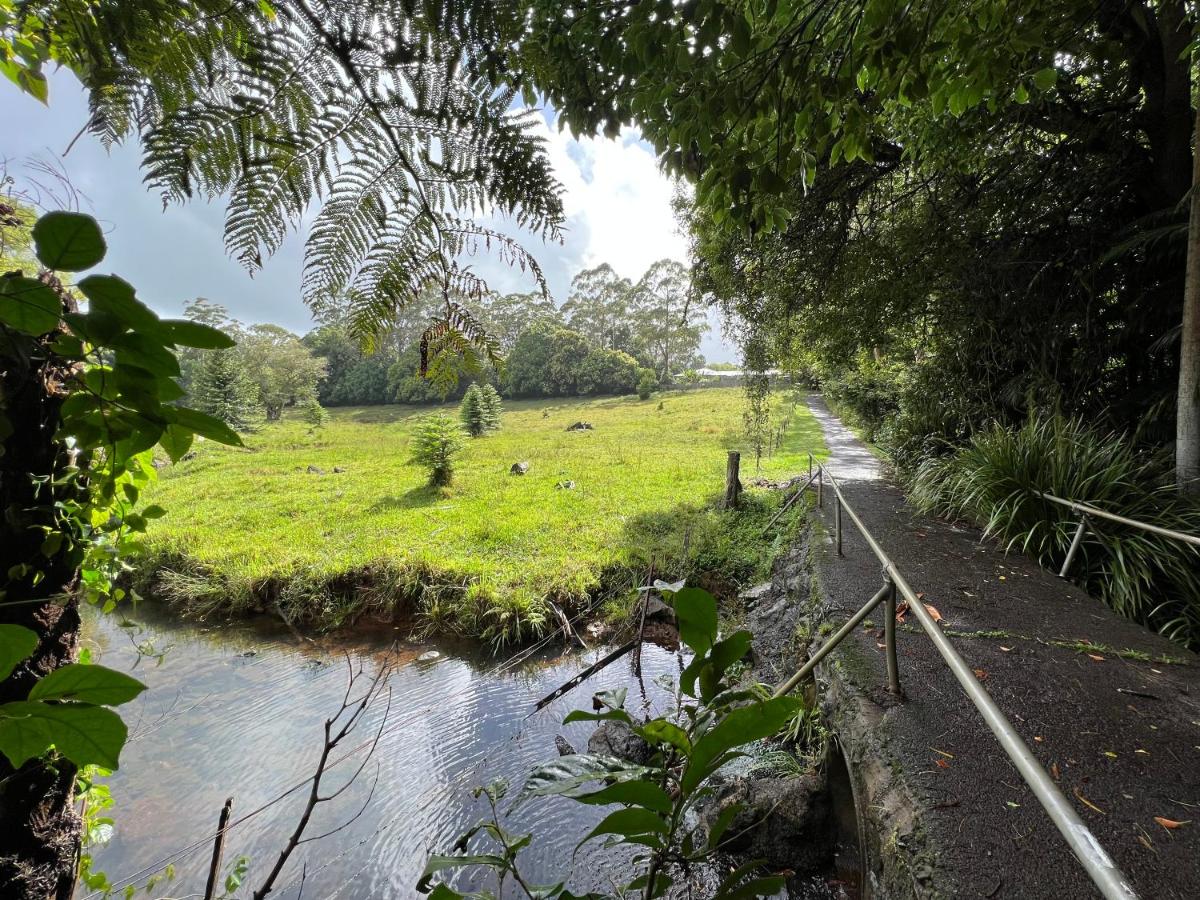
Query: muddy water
[237,710]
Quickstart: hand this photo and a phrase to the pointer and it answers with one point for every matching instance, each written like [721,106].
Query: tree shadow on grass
[417,497]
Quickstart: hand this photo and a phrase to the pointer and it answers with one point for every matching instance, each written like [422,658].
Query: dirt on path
[1111,710]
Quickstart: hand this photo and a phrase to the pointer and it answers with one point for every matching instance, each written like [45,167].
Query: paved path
[1122,735]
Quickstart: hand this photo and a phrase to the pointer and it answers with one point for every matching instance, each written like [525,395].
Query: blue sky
[617,204]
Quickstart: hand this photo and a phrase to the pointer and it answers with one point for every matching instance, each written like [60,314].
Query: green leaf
[115,297]
[628,823]
[580,715]
[195,334]
[88,684]
[16,643]
[696,611]
[642,793]
[756,887]
[724,819]
[570,776]
[439,863]
[660,731]
[740,727]
[83,733]
[176,440]
[28,305]
[140,349]
[68,242]
[203,425]
[1045,78]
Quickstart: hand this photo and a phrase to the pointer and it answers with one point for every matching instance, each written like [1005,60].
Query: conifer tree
[491,407]
[223,389]
[472,411]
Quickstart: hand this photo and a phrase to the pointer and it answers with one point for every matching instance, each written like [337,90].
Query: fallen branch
[584,676]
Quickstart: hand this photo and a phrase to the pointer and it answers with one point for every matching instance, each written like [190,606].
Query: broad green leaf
[138,348]
[88,684]
[441,892]
[632,793]
[195,334]
[740,727]
[1045,78]
[68,242]
[628,823]
[696,612]
[83,733]
[580,715]
[442,863]
[571,775]
[660,731]
[768,886]
[28,305]
[204,425]
[16,643]
[116,297]
[176,440]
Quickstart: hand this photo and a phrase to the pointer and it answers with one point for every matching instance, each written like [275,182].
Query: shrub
[608,372]
[491,407]
[472,411]
[996,481]
[222,388]
[436,441]
[646,384]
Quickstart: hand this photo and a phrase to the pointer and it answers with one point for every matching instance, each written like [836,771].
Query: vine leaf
[28,305]
[16,643]
[176,440]
[196,334]
[696,611]
[89,684]
[204,425]
[83,733]
[68,242]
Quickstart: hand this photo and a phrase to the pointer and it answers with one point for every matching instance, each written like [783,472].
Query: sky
[617,204]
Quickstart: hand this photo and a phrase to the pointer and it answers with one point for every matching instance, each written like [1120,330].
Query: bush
[435,443]
[996,479]
[472,412]
[545,362]
[491,407]
[222,388]
[608,372]
[647,382]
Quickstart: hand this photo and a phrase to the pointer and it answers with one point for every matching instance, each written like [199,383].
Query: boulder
[784,820]
[563,746]
[429,656]
[339,469]
[519,468]
[580,426]
[617,739]
[315,470]
[657,610]
[752,595]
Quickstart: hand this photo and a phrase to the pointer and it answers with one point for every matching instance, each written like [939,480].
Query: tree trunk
[40,832]
[1187,428]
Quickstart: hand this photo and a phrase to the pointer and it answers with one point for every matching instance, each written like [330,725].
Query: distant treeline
[610,334]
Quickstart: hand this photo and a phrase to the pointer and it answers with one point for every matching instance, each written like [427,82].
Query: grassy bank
[255,528]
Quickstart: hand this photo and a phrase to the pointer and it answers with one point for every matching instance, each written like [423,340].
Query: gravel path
[1120,733]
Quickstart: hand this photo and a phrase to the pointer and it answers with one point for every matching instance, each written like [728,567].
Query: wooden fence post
[733,485]
[214,868]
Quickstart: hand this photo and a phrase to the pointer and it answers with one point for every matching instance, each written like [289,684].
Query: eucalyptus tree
[508,315]
[598,308]
[668,324]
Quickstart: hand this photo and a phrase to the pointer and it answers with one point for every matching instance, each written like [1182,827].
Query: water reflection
[238,710]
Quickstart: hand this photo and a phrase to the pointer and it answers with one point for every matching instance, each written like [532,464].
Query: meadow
[322,525]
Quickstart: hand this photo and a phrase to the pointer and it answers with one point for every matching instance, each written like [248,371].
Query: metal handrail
[1087,511]
[1104,873]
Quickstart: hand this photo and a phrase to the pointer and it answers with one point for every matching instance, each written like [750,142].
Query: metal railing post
[810,461]
[820,487]
[1075,542]
[837,523]
[889,639]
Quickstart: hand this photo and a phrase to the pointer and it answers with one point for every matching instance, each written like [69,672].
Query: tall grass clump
[996,480]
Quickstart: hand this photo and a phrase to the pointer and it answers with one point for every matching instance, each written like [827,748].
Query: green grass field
[253,528]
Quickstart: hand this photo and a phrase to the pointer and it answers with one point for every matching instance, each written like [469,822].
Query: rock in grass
[315,470]
[339,469]
[617,739]
[519,468]
[580,426]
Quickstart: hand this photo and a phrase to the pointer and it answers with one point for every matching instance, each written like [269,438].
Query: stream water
[238,710]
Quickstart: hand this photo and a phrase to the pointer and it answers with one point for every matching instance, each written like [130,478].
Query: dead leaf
[1054,773]
[881,645]
[1006,649]
[901,610]
[1096,658]
[1038,738]
[932,610]
[1088,803]
[980,674]
[1171,823]
[941,764]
